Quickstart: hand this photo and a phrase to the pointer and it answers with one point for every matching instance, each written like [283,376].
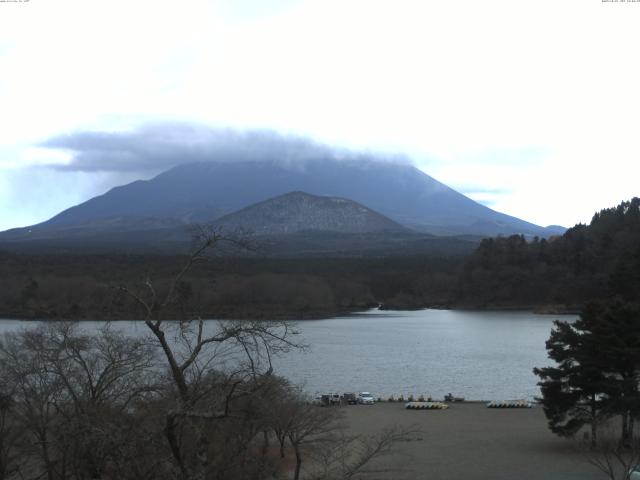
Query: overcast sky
[530,106]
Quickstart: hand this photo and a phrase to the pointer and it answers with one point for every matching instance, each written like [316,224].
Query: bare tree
[37,391]
[10,437]
[344,457]
[319,439]
[612,456]
[193,348]
[101,376]
[309,426]
[73,391]
[194,400]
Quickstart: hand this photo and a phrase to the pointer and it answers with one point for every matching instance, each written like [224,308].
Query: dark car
[350,398]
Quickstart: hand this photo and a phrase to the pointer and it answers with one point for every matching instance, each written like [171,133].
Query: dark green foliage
[597,372]
[587,263]
[616,329]
[571,392]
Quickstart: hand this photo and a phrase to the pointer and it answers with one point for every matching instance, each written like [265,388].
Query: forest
[587,263]
[563,273]
[80,287]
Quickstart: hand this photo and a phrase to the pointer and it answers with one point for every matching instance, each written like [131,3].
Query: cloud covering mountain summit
[159,146]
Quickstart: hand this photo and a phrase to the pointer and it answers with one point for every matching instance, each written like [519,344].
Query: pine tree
[597,372]
[572,392]
[616,328]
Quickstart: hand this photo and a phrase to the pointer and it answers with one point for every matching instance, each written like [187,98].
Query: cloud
[474,91]
[478,189]
[160,146]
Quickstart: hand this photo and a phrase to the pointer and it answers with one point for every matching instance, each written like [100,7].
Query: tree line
[588,262]
[73,287]
[594,385]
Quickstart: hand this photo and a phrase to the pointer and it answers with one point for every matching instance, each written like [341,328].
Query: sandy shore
[470,441]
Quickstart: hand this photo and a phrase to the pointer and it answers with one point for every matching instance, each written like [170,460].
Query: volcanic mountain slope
[299,211]
[206,191]
[296,224]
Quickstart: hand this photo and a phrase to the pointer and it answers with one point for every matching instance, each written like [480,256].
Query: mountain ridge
[414,213]
[205,191]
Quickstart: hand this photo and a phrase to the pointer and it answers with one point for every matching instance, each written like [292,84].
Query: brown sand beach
[470,441]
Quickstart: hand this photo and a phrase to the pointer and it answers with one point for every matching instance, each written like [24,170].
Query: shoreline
[310,316]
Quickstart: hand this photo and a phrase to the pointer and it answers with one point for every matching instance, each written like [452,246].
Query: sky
[530,107]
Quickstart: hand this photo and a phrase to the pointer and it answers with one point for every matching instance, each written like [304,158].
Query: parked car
[365,398]
[349,398]
[321,400]
[327,399]
[634,474]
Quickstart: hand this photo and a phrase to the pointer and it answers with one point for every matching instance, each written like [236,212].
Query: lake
[477,355]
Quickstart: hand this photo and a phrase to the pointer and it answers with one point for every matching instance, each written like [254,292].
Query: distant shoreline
[309,316]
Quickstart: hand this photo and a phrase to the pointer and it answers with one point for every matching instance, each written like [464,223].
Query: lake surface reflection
[477,355]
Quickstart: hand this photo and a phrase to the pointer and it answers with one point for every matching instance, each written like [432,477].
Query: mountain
[298,224]
[295,224]
[206,191]
[296,212]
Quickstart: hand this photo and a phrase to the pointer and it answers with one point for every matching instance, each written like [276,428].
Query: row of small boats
[426,406]
[491,404]
[509,404]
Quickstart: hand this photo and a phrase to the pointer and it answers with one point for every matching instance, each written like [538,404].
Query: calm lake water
[477,355]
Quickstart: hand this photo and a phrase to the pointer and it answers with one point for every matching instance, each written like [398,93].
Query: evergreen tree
[597,372]
[616,328]
[572,392]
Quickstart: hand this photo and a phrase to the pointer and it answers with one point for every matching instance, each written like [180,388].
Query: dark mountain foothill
[299,211]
